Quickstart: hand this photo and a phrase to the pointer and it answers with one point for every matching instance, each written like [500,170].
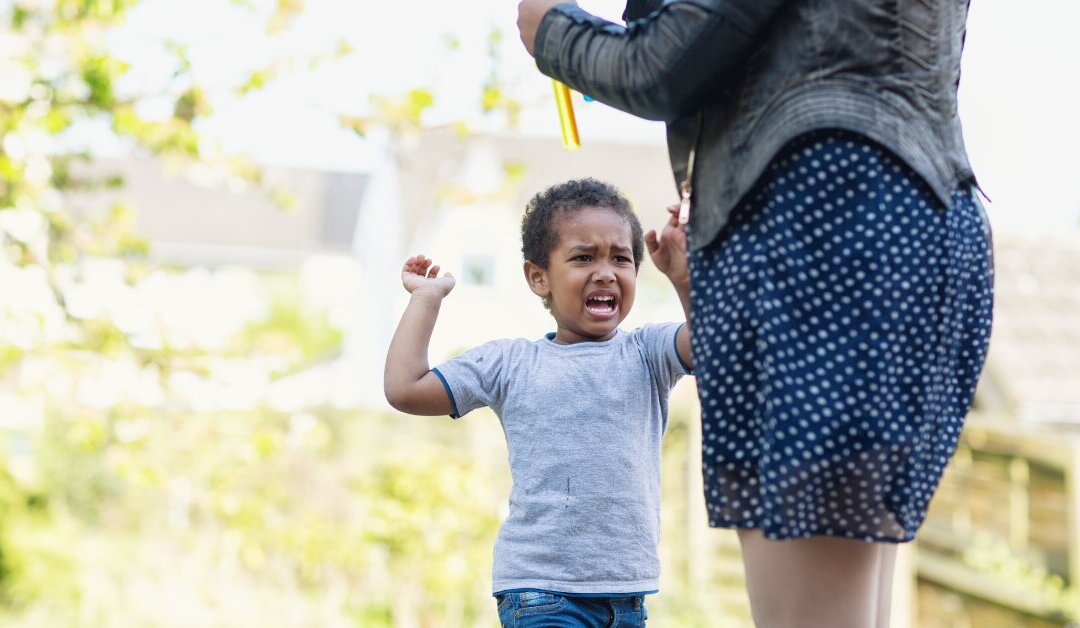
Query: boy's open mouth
[601,305]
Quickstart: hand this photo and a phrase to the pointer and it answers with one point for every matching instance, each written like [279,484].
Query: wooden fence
[1001,543]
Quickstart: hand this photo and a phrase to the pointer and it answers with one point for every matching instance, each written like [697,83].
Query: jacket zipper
[686,187]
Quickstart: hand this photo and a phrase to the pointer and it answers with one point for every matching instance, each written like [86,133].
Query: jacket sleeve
[659,67]
[637,9]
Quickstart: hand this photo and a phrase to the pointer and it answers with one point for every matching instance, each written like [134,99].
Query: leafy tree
[152,472]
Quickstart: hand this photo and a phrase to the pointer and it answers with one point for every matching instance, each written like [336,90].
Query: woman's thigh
[816,581]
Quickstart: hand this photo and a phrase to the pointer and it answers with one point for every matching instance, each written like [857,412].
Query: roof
[1034,358]
[194,218]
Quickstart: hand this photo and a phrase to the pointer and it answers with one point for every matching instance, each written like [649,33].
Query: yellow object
[567,123]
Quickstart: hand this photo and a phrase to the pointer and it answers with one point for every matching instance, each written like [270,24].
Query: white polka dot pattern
[840,321]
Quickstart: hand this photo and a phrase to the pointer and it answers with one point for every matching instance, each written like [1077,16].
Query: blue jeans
[533,609]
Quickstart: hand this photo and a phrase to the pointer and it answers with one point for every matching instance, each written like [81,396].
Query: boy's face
[591,277]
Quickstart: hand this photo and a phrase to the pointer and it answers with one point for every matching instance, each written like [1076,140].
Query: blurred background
[204,209]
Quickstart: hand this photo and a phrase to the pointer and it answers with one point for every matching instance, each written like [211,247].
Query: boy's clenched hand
[420,276]
[668,250]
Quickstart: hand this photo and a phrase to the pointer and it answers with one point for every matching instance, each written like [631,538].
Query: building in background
[197,216]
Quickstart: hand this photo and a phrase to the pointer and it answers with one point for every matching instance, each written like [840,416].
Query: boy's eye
[622,259]
[583,258]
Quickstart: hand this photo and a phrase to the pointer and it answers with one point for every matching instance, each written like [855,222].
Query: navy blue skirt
[840,322]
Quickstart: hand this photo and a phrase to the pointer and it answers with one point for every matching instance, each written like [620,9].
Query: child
[583,408]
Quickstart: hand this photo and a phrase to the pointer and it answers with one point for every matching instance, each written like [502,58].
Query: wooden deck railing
[1014,490]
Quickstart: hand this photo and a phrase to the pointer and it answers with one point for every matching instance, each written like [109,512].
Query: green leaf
[191,104]
[19,16]
[100,73]
[257,80]
[491,97]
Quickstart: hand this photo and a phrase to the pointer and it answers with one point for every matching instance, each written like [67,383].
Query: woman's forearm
[660,67]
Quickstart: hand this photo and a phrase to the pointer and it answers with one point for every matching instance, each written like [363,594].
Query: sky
[1019,91]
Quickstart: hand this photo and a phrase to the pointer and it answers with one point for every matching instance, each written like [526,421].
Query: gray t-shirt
[583,425]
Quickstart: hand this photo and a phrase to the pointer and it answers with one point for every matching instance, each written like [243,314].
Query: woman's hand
[668,249]
[419,275]
[530,12]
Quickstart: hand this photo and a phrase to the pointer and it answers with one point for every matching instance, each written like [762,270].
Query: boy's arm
[409,384]
[668,252]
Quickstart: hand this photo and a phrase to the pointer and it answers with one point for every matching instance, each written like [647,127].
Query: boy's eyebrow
[592,247]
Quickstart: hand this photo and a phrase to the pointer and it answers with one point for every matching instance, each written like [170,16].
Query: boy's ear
[537,278]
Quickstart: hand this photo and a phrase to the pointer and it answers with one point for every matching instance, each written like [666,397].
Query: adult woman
[840,262]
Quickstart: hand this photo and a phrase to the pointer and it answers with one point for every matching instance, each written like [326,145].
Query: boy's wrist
[680,280]
[427,295]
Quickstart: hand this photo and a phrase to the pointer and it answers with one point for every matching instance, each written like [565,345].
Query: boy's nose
[604,274]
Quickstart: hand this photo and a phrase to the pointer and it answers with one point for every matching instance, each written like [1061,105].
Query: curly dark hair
[538,233]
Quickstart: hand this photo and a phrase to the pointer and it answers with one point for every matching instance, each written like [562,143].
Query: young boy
[583,408]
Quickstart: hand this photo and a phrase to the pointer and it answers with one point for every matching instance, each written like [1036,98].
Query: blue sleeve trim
[675,341]
[449,393]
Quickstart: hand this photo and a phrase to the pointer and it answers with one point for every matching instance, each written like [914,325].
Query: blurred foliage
[291,329]
[151,484]
[271,510]
[403,114]
[994,556]
[494,95]
[105,485]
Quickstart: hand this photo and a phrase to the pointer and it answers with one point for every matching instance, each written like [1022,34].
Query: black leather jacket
[738,79]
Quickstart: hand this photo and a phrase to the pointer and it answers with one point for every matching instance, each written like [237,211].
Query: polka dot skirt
[840,321]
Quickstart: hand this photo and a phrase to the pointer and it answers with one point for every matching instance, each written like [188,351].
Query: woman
[840,265]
